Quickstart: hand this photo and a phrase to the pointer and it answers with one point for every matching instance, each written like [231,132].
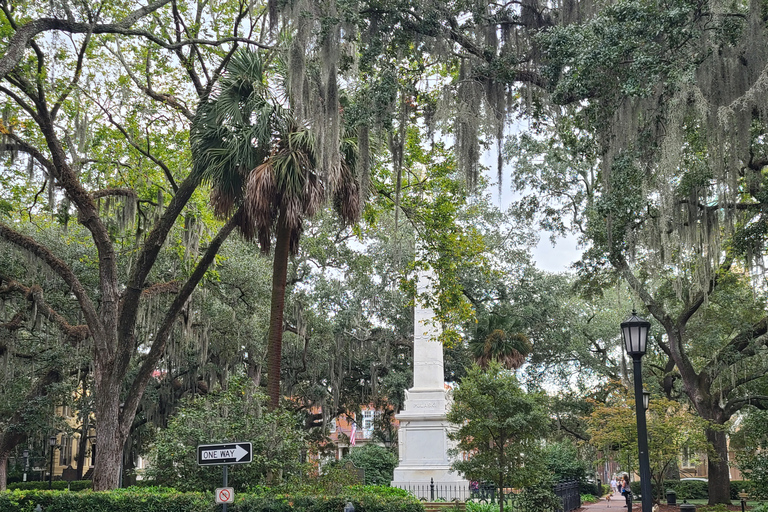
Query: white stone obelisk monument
[422,434]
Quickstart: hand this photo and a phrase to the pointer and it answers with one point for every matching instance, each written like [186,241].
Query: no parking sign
[225,495]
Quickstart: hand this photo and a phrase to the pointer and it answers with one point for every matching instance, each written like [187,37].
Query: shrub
[364,499]
[59,485]
[378,462]
[738,485]
[476,506]
[537,499]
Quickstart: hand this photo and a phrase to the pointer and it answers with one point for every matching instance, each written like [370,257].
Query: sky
[558,258]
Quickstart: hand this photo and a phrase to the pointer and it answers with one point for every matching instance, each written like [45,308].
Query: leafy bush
[59,485]
[476,506]
[564,463]
[690,489]
[378,462]
[236,414]
[747,486]
[121,500]
[537,499]
[720,507]
[364,499]
[589,498]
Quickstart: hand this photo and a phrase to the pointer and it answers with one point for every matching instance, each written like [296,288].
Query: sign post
[224,455]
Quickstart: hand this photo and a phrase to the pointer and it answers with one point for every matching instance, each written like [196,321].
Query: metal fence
[436,491]
[569,495]
[567,492]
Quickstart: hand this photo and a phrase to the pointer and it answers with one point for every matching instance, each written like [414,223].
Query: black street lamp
[635,333]
[51,443]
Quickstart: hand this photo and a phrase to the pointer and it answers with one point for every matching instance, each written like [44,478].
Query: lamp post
[51,443]
[635,333]
[26,463]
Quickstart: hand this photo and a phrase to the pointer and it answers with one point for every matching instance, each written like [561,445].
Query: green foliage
[365,499]
[751,455]
[564,461]
[58,485]
[235,414]
[378,462]
[500,426]
[720,507]
[671,428]
[537,498]
[478,506]
[589,498]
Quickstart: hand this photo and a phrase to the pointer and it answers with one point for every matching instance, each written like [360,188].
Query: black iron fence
[569,495]
[437,492]
[567,492]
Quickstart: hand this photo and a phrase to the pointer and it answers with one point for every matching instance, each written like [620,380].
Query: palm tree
[500,339]
[257,156]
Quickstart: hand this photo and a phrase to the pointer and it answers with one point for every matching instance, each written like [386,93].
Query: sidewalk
[616,504]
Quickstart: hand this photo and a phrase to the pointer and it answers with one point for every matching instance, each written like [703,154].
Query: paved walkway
[616,504]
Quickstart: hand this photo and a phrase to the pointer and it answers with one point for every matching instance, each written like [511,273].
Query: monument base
[425,466]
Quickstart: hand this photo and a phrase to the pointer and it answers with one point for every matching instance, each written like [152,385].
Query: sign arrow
[229,453]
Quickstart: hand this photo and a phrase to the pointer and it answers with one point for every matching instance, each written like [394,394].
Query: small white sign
[225,495]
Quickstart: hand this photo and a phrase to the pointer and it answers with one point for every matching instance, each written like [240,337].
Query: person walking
[614,485]
[626,491]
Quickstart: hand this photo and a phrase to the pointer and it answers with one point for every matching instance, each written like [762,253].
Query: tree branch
[164,331]
[74,333]
[31,246]
[24,35]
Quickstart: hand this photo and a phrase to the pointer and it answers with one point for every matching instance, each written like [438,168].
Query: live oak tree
[72,85]
[660,167]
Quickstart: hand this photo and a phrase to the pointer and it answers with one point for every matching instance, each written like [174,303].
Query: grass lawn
[734,502]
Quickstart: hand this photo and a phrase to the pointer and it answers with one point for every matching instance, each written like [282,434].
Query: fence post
[431,489]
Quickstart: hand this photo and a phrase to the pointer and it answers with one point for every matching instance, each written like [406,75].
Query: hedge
[695,489]
[168,500]
[59,485]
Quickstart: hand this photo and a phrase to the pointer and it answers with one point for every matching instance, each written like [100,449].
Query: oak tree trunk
[717,468]
[110,433]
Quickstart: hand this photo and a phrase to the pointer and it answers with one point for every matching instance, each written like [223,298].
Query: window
[688,458]
[367,424]
[65,451]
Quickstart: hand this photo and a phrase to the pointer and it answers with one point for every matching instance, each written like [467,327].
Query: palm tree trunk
[275,338]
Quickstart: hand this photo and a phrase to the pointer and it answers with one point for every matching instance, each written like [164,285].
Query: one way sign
[230,453]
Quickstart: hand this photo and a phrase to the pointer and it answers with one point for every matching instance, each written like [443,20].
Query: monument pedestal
[423,445]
